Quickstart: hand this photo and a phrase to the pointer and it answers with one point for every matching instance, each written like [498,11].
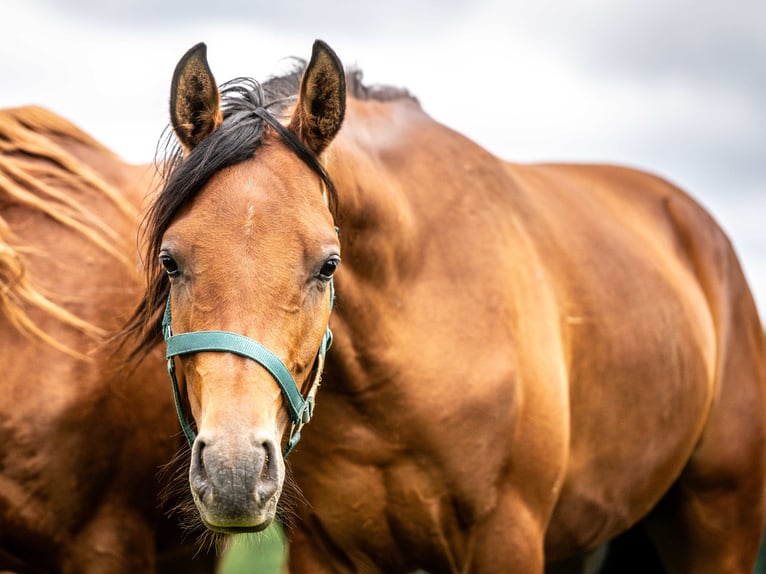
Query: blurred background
[677,87]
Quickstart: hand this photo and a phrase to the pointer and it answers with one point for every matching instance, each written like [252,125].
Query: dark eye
[169,264]
[329,268]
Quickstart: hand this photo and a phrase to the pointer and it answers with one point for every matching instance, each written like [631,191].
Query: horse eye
[329,268]
[169,264]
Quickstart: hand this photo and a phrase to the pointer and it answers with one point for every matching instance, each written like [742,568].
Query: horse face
[251,254]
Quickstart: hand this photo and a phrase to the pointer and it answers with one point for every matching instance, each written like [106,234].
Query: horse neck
[417,202]
[377,217]
[405,180]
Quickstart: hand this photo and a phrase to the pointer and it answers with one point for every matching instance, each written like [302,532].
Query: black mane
[234,141]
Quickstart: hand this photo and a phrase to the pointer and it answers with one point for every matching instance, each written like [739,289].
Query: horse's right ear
[195,102]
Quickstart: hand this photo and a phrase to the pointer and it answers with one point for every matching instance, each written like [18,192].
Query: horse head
[242,250]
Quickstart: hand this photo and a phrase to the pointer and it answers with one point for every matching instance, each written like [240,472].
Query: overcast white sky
[674,86]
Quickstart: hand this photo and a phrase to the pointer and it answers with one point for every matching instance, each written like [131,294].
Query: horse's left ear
[195,102]
[321,103]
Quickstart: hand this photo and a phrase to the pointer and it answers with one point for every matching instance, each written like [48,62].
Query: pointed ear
[195,103]
[321,103]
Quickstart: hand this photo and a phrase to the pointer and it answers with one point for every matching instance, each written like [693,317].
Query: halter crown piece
[300,409]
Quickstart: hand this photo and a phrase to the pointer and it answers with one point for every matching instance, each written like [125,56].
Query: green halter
[300,409]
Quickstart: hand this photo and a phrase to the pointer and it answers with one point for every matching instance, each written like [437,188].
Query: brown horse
[528,360]
[81,437]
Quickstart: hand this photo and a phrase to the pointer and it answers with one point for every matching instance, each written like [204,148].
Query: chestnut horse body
[528,360]
[83,437]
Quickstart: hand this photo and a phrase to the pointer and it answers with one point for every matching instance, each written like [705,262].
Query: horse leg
[712,520]
[705,530]
[510,540]
[706,526]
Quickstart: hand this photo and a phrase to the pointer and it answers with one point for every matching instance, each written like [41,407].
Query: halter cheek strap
[300,409]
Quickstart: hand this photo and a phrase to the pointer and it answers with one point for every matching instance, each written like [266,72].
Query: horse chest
[392,517]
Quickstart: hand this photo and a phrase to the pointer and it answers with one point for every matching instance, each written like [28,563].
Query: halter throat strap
[299,408]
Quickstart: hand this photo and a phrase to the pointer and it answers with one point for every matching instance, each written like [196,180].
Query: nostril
[269,479]
[270,454]
[266,455]
[197,469]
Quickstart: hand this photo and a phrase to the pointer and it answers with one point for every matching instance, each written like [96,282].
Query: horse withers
[528,359]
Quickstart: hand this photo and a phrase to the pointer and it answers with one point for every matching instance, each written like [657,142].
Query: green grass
[262,553]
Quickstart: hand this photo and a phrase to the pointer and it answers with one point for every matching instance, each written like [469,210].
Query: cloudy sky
[674,86]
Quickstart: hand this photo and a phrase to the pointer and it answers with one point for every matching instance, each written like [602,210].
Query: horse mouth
[235,515]
[228,519]
[237,529]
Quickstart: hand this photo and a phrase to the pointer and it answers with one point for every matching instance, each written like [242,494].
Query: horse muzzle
[236,483]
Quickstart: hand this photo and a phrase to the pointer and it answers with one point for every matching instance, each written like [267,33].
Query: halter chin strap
[301,410]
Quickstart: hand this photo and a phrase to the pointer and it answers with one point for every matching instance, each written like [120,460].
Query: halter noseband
[300,409]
